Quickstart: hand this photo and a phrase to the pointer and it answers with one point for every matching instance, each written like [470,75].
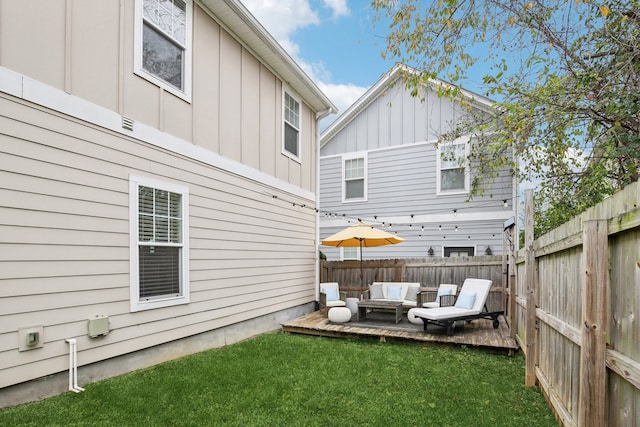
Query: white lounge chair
[470,304]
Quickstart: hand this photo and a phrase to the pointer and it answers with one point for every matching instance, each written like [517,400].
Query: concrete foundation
[58,383]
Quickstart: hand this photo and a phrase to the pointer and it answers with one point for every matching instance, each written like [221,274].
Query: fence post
[511,280]
[531,279]
[593,369]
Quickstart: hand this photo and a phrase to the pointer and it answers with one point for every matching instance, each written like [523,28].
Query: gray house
[150,152]
[380,162]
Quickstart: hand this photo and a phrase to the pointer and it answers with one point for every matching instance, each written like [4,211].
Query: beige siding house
[158,178]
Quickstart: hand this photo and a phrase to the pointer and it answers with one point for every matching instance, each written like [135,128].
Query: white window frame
[354,156]
[183,298]
[298,127]
[460,141]
[456,249]
[345,258]
[185,93]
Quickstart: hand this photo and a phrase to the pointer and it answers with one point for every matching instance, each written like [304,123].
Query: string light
[409,224]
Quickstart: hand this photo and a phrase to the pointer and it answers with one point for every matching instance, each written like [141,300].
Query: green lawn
[278,379]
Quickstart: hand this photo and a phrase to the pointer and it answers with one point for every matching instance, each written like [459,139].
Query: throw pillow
[466,300]
[443,291]
[394,292]
[375,292]
[412,293]
[332,294]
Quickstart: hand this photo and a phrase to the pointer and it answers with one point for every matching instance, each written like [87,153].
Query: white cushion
[443,313]
[466,300]
[375,291]
[443,291]
[412,293]
[336,303]
[339,314]
[394,292]
[332,293]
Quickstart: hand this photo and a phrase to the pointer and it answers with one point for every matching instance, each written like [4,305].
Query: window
[458,251]
[163,44]
[159,236]
[350,253]
[291,126]
[354,173]
[453,176]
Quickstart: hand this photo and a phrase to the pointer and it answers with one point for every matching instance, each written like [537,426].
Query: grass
[278,379]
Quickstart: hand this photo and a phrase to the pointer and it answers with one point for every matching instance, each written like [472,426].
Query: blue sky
[337,44]
[334,41]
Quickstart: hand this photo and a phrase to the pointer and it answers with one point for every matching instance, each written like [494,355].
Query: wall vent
[127,123]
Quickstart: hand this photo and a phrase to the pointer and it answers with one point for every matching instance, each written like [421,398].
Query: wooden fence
[577,295]
[429,272]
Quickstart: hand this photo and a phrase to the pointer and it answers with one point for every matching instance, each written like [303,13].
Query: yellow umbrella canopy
[361,235]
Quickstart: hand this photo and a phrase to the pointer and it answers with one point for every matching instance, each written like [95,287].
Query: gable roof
[235,18]
[382,85]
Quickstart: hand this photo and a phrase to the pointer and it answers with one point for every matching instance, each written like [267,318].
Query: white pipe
[73,366]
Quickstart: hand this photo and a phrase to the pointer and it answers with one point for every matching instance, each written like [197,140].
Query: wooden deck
[381,326]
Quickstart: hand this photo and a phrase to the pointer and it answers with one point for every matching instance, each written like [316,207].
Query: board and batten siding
[65,166]
[64,242]
[395,118]
[88,49]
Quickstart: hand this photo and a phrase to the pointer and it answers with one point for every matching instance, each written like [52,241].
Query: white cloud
[338,7]
[342,95]
[282,18]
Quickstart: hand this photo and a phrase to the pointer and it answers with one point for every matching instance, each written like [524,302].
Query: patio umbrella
[361,235]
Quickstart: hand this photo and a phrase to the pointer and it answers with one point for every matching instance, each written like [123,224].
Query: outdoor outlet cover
[30,338]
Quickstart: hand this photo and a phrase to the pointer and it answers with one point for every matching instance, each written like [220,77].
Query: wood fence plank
[624,366]
[593,368]
[531,282]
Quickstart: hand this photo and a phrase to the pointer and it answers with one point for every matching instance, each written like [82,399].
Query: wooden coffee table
[381,305]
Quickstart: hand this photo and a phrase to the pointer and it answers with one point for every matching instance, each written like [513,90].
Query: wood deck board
[479,333]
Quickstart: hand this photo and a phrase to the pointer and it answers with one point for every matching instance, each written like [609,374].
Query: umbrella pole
[361,274]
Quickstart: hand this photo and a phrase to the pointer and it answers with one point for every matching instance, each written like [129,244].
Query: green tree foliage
[566,74]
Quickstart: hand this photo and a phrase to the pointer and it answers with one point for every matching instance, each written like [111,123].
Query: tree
[565,73]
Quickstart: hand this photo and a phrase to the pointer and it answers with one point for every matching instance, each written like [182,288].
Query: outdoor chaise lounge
[470,304]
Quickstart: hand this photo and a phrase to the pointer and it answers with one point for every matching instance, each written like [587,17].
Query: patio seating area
[381,326]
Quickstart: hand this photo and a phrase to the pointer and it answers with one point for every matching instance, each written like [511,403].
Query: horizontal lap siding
[64,243]
[401,182]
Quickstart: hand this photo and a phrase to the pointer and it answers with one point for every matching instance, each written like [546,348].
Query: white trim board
[31,90]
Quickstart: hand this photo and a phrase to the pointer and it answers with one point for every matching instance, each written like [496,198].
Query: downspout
[319,116]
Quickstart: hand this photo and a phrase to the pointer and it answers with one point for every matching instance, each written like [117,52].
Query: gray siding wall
[397,132]
[401,182]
